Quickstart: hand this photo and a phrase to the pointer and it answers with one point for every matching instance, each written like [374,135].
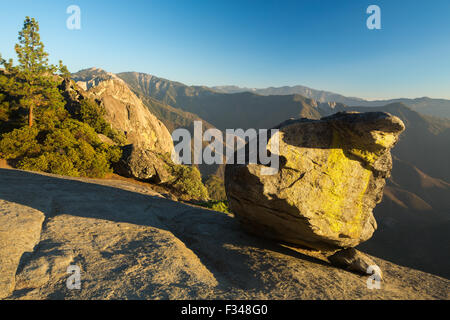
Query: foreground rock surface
[130,243]
[332,174]
[20,229]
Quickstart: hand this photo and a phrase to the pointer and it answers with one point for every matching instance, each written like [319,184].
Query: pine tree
[11,113]
[55,140]
[34,77]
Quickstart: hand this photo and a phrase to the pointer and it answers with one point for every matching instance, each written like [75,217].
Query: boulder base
[353,260]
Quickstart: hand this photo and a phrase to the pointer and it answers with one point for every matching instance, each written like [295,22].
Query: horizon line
[269,87]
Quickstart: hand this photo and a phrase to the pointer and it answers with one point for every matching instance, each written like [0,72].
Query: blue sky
[321,44]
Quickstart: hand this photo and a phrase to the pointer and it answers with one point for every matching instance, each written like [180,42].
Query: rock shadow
[216,238]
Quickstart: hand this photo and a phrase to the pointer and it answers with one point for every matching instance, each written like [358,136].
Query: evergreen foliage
[216,188]
[37,129]
[221,206]
[188,182]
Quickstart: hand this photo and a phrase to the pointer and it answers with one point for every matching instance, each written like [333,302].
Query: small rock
[353,260]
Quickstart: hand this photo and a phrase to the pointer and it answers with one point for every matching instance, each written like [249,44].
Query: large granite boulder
[331,176]
[143,164]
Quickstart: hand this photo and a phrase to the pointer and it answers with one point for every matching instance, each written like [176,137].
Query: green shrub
[221,206]
[88,111]
[70,148]
[4,109]
[92,114]
[50,162]
[20,143]
[216,188]
[12,114]
[188,182]
[60,144]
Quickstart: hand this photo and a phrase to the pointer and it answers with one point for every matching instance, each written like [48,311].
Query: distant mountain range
[416,197]
[318,95]
[223,110]
[424,105]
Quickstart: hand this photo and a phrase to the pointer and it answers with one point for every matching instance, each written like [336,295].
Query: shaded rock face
[125,111]
[332,174]
[353,260]
[142,164]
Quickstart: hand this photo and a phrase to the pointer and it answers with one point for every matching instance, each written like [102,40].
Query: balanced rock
[331,176]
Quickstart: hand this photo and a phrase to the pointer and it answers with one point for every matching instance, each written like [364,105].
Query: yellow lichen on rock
[367,156]
[384,139]
[338,167]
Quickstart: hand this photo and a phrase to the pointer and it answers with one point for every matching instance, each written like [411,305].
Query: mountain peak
[88,78]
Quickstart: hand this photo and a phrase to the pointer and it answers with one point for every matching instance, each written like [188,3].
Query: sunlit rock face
[331,176]
[125,111]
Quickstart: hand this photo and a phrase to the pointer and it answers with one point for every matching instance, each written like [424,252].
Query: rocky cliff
[124,110]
